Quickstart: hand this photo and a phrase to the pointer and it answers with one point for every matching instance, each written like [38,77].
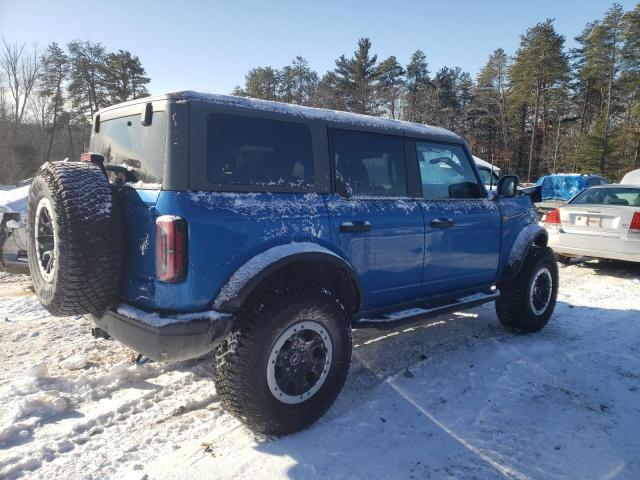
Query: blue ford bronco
[261,233]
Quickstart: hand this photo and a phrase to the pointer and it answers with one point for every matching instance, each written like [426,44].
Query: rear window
[126,142]
[251,151]
[609,196]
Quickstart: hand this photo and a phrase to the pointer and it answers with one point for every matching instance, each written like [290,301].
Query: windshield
[140,149]
[609,196]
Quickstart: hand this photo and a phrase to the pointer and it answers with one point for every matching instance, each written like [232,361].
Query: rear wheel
[74,238]
[283,365]
[527,302]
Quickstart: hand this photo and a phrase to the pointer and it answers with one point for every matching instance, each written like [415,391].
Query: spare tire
[74,238]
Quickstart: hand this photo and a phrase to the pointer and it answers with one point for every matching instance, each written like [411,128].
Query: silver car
[600,222]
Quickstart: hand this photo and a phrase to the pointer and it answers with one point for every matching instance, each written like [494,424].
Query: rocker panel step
[410,315]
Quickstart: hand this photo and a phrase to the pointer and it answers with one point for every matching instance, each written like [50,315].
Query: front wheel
[283,365]
[527,302]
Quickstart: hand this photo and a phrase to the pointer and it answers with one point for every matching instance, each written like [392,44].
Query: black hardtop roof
[332,117]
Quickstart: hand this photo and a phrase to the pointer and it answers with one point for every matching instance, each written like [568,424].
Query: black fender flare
[250,275]
[532,234]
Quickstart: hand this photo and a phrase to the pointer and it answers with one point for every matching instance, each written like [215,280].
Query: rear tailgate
[601,220]
[137,283]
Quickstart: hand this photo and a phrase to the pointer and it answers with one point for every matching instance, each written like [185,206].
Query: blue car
[262,233]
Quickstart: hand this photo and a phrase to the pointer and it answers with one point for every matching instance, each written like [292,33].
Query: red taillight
[171,248]
[553,217]
[635,223]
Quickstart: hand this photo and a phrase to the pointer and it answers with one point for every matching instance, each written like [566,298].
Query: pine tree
[540,64]
[125,77]
[260,82]
[357,79]
[418,87]
[490,106]
[297,82]
[53,75]
[446,99]
[391,82]
[88,84]
[630,83]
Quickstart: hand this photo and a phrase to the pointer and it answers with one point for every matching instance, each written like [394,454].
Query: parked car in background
[558,188]
[600,222]
[13,237]
[631,178]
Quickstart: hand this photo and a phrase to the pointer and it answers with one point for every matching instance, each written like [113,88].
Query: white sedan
[600,222]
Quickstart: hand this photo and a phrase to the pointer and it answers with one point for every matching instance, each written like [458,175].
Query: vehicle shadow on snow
[612,268]
[357,438]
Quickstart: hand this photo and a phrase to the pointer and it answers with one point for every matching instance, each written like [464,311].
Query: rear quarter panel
[225,230]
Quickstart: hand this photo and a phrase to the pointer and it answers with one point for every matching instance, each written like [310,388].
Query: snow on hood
[14,200]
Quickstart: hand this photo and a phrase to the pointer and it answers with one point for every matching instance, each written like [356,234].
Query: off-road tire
[88,238]
[240,362]
[514,307]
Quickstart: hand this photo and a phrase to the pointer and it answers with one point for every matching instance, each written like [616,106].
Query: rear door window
[445,172]
[249,151]
[141,149]
[369,164]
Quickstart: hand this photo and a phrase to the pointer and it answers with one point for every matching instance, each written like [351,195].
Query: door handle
[441,223]
[355,227]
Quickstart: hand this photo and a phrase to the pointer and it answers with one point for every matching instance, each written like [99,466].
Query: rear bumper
[165,337]
[595,246]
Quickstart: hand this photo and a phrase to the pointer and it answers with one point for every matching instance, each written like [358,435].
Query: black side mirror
[507,186]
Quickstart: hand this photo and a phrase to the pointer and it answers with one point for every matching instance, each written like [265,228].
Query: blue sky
[209,46]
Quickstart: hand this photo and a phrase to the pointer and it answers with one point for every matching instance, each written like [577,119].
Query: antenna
[492,171]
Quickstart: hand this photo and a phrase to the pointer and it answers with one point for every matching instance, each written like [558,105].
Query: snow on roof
[486,164]
[334,116]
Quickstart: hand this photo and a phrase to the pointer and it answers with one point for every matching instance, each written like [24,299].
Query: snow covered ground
[454,397]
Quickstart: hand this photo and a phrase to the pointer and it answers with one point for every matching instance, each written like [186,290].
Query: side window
[445,172]
[485,176]
[258,151]
[369,164]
